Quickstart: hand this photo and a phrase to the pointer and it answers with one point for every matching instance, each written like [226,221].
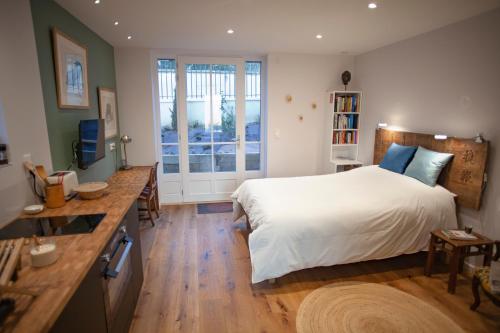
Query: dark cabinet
[122,291]
[85,311]
[105,300]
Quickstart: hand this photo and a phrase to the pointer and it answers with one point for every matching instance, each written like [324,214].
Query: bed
[363,214]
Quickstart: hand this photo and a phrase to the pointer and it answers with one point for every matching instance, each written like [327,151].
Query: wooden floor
[197,279]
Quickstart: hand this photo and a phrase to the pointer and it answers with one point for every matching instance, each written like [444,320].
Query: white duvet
[363,214]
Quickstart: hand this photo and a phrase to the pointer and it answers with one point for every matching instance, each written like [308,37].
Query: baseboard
[191,202]
[469,269]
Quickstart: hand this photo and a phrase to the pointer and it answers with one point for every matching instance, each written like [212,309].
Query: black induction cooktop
[51,226]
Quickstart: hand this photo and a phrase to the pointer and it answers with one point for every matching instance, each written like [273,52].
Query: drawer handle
[113,273]
[106,258]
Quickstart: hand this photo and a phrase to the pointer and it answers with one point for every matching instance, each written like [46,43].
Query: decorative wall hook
[314,106]
[288,98]
[346,78]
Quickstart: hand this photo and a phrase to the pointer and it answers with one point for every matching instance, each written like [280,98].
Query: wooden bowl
[92,190]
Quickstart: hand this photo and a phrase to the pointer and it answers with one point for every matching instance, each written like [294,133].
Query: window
[168,115]
[211,115]
[210,97]
[252,115]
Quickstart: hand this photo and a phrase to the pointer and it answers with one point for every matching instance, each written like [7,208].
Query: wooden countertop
[58,282]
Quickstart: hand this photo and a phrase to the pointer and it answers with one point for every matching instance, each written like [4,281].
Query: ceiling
[267,26]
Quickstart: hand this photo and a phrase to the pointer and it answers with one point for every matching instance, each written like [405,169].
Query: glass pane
[200,158]
[170,150]
[252,101]
[224,104]
[225,157]
[198,102]
[170,158]
[168,100]
[252,156]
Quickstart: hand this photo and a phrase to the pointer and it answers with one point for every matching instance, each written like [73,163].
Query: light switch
[112,146]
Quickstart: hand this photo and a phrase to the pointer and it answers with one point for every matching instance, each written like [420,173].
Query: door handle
[237,140]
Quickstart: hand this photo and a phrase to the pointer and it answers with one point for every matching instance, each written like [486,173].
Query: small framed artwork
[107,111]
[70,61]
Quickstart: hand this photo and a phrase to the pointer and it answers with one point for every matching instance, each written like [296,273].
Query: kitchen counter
[58,282]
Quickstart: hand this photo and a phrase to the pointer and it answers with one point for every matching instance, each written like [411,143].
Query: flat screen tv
[91,142]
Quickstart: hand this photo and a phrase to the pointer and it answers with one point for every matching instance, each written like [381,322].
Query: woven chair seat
[483,274]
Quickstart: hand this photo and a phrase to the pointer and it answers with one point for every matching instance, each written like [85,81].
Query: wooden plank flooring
[197,279]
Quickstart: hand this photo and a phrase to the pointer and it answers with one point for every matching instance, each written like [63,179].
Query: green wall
[62,124]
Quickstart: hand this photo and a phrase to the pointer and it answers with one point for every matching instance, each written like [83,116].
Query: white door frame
[211,186]
[171,185]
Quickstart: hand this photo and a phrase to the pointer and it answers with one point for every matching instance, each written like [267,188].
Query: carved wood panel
[464,175]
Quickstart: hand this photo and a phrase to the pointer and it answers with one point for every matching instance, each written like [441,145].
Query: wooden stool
[458,250]
[149,196]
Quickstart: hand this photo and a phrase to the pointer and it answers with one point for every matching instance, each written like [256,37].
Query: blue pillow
[398,157]
[427,165]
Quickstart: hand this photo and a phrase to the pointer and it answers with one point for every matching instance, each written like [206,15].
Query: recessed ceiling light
[319,36]
[97,2]
[116,23]
[230,31]
[372,5]
[129,37]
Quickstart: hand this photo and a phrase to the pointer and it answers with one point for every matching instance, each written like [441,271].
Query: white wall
[298,148]
[135,103]
[22,103]
[446,81]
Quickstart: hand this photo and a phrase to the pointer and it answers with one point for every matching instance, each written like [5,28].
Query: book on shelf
[458,235]
[341,121]
[345,137]
[346,103]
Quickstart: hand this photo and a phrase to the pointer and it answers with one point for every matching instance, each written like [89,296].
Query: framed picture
[107,111]
[70,61]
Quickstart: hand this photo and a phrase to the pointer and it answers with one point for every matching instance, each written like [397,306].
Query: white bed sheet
[363,214]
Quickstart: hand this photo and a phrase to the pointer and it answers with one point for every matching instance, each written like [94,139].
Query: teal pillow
[427,165]
[398,157]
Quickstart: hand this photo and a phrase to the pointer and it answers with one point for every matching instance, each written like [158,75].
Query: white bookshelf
[344,108]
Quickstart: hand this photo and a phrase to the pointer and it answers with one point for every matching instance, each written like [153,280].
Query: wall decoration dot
[314,106]
[301,117]
[288,98]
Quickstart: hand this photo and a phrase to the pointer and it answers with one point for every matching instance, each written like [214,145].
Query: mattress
[363,214]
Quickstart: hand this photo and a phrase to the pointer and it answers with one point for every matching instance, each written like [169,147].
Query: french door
[209,125]
[212,113]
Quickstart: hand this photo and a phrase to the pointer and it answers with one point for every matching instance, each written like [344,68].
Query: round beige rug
[368,308]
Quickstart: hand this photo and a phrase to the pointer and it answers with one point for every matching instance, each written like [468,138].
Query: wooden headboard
[464,175]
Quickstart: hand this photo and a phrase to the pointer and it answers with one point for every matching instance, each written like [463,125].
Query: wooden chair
[149,197]
[481,279]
